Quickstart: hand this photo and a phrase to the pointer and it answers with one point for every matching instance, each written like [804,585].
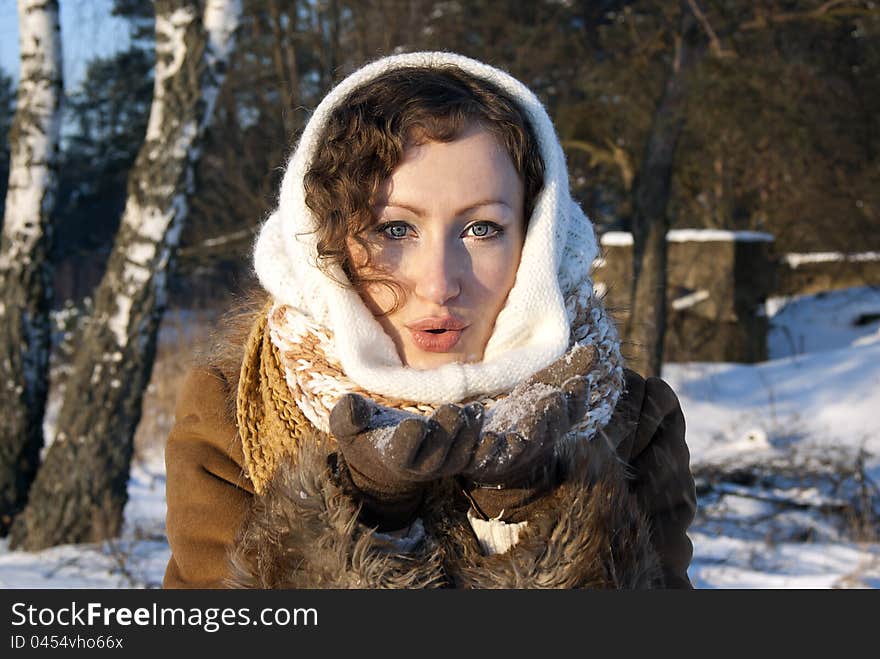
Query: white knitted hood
[533,328]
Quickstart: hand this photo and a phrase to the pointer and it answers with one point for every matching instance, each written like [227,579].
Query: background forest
[781,127]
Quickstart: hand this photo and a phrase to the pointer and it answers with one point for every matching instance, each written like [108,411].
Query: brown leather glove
[514,461]
[391,455]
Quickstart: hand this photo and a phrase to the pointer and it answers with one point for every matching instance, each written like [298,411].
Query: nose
[438,274]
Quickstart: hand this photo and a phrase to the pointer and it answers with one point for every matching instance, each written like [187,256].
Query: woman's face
[450,233]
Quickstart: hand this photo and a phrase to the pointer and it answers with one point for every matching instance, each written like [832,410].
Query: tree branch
[612,155]
[828,11]
[715,46]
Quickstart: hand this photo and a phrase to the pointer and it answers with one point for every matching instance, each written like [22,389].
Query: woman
[431,395]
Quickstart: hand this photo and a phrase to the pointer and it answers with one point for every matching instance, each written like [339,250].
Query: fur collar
[590,533]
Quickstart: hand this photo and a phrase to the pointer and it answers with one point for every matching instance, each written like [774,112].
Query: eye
[484,230]
[393,230]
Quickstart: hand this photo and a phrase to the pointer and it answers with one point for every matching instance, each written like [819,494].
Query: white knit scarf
[315,376]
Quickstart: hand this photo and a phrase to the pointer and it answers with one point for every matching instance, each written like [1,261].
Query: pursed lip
[436,333]
[437,322]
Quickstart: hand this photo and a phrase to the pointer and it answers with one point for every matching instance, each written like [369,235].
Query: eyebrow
[419,211]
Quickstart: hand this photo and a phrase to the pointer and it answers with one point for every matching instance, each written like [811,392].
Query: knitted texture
[533,328]
[270,423]
[316,381]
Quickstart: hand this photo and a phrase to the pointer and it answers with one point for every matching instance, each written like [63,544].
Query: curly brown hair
[365,138]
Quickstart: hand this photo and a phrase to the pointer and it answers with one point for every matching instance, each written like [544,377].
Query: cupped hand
[391,453]
[520,432]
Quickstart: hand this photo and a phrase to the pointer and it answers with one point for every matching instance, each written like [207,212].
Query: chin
[422,360]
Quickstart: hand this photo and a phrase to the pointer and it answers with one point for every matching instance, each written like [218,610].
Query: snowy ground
[786,455]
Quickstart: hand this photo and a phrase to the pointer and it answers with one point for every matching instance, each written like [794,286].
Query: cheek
[390,265]
[378,297]
[495,274]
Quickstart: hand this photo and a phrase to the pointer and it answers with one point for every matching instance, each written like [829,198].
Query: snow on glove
[520,432]
[391,455]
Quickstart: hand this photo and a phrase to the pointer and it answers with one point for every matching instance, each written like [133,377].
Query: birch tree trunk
[25,270]
[80,491]
[646,328]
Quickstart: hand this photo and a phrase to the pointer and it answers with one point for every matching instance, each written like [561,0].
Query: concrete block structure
[718,283]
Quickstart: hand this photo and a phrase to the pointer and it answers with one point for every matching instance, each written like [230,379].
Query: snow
[811,408]
[690,300]
[812,323]
[616,238]
[624,238]
[795,260]
[707,235]
[779,451]
[509,412]
[136,560]
[727,562]
[821,399]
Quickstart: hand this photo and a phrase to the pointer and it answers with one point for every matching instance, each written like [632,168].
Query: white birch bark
[86,468]
[156,206]
[25,271]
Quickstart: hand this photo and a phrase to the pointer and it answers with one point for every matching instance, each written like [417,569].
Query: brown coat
[213,514]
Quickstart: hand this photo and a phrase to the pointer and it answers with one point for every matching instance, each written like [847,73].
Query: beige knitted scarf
[291,378]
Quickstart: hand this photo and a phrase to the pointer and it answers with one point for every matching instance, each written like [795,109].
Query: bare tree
[80,491]
[646,326]
[25,270]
